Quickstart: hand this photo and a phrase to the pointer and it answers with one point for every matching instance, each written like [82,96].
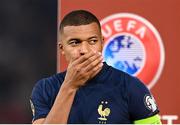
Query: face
[79,40]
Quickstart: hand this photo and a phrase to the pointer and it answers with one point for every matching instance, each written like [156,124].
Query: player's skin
[82,47]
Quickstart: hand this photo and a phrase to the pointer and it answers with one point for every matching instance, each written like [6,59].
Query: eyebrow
[95,36]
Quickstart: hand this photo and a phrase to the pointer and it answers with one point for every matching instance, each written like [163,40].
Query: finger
[94,70]
[88,64]
[90,59]
[83,58]
[93,64]
[75,57]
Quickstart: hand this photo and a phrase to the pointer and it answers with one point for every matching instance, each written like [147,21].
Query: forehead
[82,31]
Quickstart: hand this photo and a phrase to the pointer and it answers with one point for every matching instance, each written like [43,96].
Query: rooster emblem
[103,113]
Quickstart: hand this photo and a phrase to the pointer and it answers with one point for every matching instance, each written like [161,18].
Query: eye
[93,41]
[74,42]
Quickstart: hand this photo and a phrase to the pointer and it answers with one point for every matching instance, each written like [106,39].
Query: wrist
[68,86]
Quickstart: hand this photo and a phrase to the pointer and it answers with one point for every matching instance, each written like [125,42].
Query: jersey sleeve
[150,120]
[39,105]
[141,102]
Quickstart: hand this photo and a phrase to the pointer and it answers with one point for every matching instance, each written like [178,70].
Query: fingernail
[101,57]
[94,51]
[99,53]
[101,64]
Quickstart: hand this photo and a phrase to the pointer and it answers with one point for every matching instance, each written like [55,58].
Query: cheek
[71,54]
[98,47]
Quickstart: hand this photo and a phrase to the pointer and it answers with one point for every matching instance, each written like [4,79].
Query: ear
[61,47]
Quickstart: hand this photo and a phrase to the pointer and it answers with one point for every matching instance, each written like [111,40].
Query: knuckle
[91,65]
[94,69]
[72,65]
[81,73]
[77,68]
[90,60]
[100,58]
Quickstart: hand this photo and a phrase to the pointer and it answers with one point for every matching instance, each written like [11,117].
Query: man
[90,91]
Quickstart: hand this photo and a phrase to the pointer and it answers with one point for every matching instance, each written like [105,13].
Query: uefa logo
[133,45]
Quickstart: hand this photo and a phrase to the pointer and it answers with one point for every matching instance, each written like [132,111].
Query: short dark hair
[77,18]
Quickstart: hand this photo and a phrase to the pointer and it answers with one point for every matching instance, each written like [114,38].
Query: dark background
[28,37]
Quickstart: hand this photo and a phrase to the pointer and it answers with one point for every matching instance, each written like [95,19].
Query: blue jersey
[111,97]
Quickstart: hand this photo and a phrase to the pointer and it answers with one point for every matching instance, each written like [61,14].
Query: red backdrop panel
[164,15]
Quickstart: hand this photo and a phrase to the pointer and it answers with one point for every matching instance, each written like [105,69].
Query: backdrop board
[147,31]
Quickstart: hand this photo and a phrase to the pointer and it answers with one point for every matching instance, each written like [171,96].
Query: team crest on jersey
[132,44]
[103,112]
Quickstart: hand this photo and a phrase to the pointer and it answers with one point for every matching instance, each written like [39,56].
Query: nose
[84,48]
